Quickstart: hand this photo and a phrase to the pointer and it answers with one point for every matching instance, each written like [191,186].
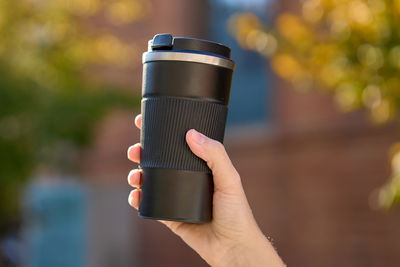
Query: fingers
[134,198]
[134,153]
[138,121]
[135,178]
[213,152]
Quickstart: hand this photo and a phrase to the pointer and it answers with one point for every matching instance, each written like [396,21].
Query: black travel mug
[186,84]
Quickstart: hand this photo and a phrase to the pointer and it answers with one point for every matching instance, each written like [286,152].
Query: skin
[233,237]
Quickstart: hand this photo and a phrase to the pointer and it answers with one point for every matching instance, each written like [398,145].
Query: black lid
[165,41]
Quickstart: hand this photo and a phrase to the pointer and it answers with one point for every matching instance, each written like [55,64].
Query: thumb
[226,178]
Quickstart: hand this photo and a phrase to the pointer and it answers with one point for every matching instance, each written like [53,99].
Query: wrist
[255,250]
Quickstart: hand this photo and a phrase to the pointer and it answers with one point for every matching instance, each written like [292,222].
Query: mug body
[186,85]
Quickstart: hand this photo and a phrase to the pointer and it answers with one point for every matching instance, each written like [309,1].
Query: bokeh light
[350,47]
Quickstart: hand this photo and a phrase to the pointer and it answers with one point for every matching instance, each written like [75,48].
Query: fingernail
[198,137]
[131,199]
[129,176]
[127,152]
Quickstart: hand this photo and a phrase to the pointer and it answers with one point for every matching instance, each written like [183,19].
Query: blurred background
[312,127]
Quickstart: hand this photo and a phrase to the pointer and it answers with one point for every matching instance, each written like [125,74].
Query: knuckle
[218,147]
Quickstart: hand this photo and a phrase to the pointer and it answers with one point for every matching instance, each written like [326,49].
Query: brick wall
[311,191]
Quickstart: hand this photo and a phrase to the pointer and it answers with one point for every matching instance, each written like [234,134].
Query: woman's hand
[233,237]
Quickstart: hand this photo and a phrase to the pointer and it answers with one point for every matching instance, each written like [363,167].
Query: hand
[233,237]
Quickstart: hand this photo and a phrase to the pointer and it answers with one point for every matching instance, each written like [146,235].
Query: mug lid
[166,41]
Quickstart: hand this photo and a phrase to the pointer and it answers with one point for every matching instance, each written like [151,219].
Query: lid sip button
[161,41]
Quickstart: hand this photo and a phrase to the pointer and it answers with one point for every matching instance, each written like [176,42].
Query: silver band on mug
[190,57]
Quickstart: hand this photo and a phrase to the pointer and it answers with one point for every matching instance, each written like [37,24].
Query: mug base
[176,195]
[173,219]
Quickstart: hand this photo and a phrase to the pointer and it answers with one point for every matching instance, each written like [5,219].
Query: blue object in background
[249,92]
[55,224]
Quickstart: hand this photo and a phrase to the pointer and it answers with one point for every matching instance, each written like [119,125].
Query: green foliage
[46,102]
[34,122]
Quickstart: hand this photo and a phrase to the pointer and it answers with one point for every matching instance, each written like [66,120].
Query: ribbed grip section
[165,122]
